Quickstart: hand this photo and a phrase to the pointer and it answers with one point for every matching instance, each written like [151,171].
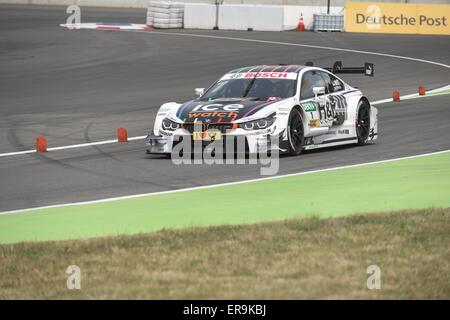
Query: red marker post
[422,90]
[122,135]
[396,95]
[41,144]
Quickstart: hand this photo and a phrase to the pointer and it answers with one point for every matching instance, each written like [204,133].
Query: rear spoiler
[368,68]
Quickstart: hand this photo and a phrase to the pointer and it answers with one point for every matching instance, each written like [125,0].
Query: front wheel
[363,122]
[295,132]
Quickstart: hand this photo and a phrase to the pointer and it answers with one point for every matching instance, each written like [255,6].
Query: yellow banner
[397,18]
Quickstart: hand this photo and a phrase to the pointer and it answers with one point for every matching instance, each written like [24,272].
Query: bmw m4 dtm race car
[300,107]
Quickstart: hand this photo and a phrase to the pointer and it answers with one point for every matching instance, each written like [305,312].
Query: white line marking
[222,184]
[102,26]
[290,44]
[16,153]
[93,143]
[72,146]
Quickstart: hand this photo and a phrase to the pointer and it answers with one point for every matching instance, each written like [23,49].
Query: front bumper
[255,141]
[158,144]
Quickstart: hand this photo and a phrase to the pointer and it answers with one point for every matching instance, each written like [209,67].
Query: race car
[289,108]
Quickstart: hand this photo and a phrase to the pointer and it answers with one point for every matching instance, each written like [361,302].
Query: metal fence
[328,22]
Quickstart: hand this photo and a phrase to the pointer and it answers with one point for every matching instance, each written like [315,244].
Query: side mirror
[199,92]
[318,91]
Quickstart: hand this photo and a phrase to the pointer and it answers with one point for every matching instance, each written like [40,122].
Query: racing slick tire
[295,132]
[363,122]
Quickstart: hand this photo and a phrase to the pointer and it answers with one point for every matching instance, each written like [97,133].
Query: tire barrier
[165,14]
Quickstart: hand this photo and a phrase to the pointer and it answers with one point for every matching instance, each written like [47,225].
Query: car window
[260,88]
[310,80]
[332,84]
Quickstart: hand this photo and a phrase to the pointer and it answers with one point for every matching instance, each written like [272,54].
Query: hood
[221,110]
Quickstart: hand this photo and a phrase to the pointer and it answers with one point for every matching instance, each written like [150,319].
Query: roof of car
[270,68]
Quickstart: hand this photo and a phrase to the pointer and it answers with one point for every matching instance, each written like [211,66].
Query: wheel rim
[363,123]
[296,131]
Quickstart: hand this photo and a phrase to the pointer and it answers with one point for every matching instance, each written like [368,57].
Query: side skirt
[331,143]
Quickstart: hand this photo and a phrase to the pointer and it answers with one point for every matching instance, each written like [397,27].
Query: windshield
[257,88]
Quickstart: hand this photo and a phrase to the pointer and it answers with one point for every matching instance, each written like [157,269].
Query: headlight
[258,124]
[170,125]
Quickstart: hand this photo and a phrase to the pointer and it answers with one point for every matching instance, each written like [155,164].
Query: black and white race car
[302,106]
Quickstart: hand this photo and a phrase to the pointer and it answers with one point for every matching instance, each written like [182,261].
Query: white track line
[286,44]
[72,146]
[222,184]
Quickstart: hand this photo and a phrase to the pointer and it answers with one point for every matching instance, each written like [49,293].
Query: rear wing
[367,70]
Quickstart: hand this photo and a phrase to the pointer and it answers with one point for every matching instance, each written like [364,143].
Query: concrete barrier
[199,16]
[87,3]
[256,17]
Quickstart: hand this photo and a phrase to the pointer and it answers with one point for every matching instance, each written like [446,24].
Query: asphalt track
[80,86]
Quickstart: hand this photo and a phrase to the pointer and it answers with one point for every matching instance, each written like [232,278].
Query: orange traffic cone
[301,24]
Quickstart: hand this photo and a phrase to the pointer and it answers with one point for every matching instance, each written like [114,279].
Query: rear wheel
[295,132]
[363,122]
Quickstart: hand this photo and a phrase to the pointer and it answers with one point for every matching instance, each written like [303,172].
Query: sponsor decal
[229,115]
[339,101]
[344,131]
[217,110]
[326,111]
[397,18]
[308,106]
[217,107]
[267,75]
[165,133]
[207,135]
[372,134]
[339,104]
